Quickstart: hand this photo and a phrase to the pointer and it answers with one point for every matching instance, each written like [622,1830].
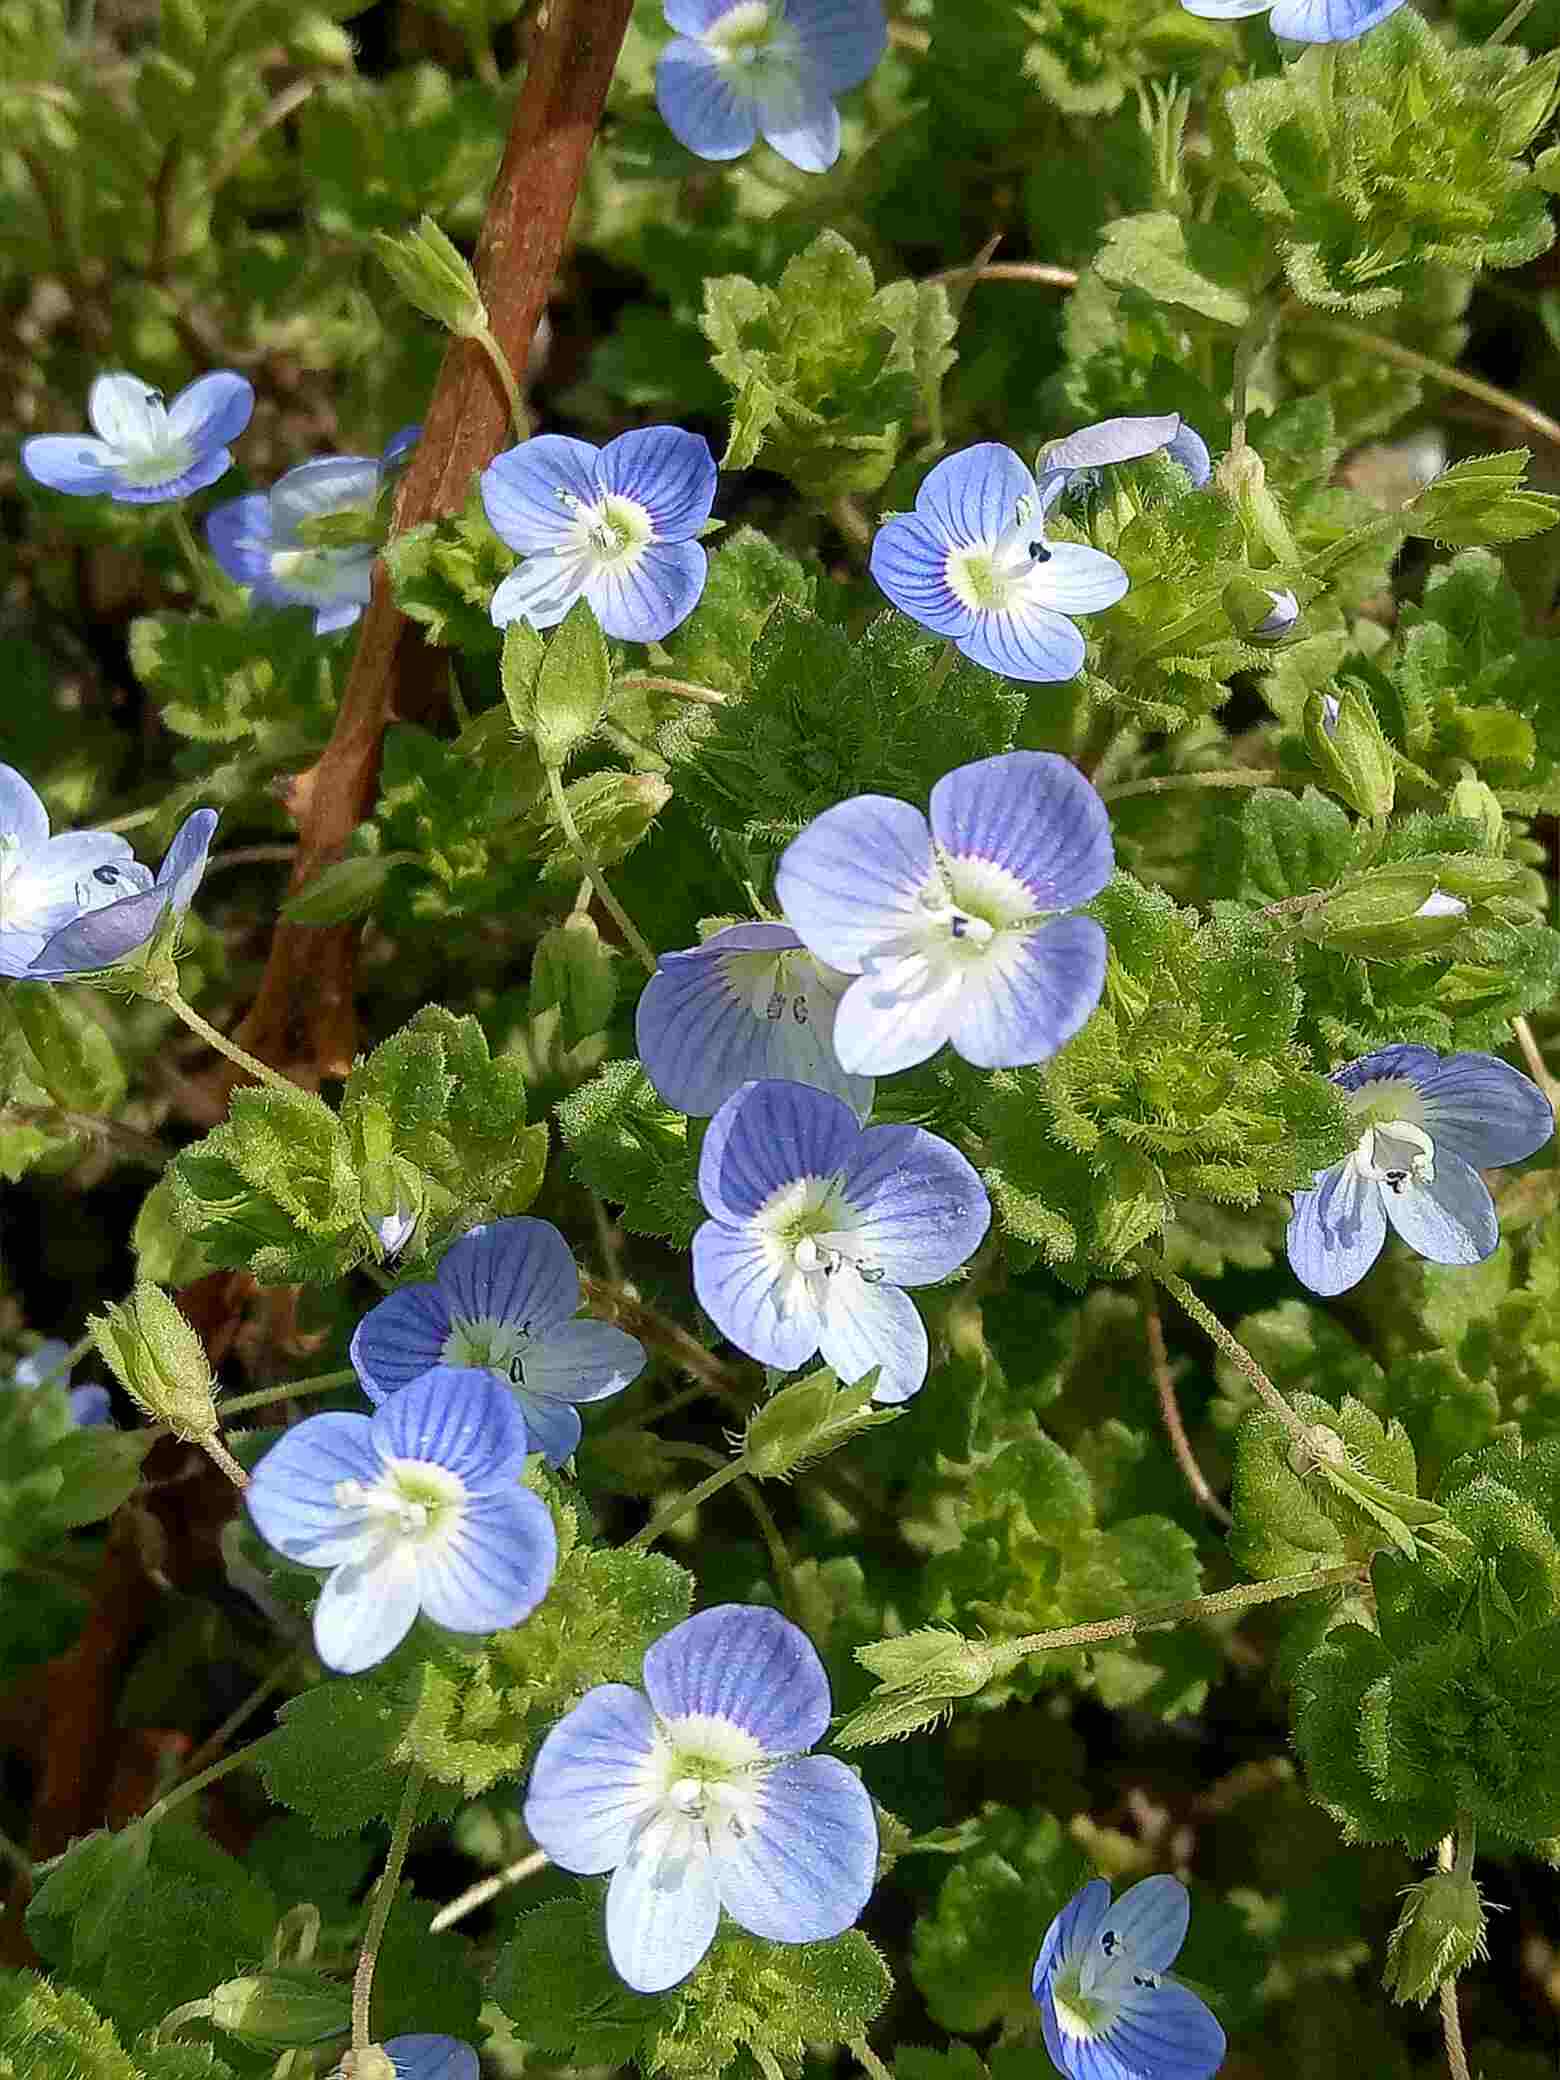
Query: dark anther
[517,1372]
[799,1010]
[872,1274]
[775,1008]
[1039,552]
[109,876]
[959,925]
[1108,1942]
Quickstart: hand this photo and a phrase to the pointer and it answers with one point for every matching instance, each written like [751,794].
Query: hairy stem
[286,1390]
[680,689]
[1439,372]
[518,415]
[1166,783]
[591,868]
[219,1455]
[1233,1349]
[694,1498]
[1211,1606]
[485,1889]
[379,1915]
[249,1063]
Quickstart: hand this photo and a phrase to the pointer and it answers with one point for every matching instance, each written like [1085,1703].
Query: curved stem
[214,1743]
[506,376]
[763,1516]
[191,1786]
[286,1390]
[868,2059]
[1011,271]
[1233,1349]
[1451,2030]
[1238,1598]
[680,1505]
[1440,372]
[1166,783]
[590,868]
[1170,1409]
[681,689]
[384,1900]
[219,1455]
[485,1889]
[220,1041]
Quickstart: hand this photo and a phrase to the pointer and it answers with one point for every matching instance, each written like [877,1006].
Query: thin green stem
[680,689]
[457,699]
[1241,1597]
[191,1787]
[589,866]
[1233,1349]
[1038,271]
[190,549]
[946,659]
[1467,1842]
[379,1914]
[214,1743]
[485,1889]
[763,1516]
[680,1505]
[1170,1410]
[1167,783]
[506,376]
[287,1390]
[220,1041]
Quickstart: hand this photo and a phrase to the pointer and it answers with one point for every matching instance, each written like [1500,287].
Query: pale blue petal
[526,490]
[540,591]
[1072,578]
[553,1428]
[400,1339]
[398,448]
[457,1417]
[1071,1933]
[843,39]
[212,410]
[90,1407]
[1113,440]
[43,1363]
[424,2057]
[970,498]
[1226,10]
[804,1870]
[910,563]
[1028,998]
[330,621]
[642,601]
[1329,21]
[315,490]
[22,814]
[496,1567]
[693,17]
[1190,449]
[803,126]
[1450,1219]
[1167,2031]
[366,1608]
[865,1325]
[1403,1059]
[239,537]
[1336,1231]
[746,1663]
[517,1270]
[765,1311]
[766,1136]
[850,884]
[1029,643]
[669,472]
[71,462]
[78,870]
[291,1495]
[581,1361]
[100,938]
[18,951]
[589,1787]
[1151,1918]
[1034,814]
[1483,1110]
[898,1014]
[184,863]
[920,1208]
[662,1907]
[126,412]
[699,105]
[203,472]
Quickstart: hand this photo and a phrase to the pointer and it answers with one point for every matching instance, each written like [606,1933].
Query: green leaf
[632,1149]
[555,1982]
[444,574]
[334,1755]
[1180,262]
[69,1052]
[572,686]
[53,2033]
[1480,501]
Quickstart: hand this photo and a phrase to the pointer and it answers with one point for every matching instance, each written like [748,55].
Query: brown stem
[304,1019]
[1170,1409]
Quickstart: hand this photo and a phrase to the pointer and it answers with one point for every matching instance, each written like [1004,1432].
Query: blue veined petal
[581,1361]
[662,1906]
[71,462]
[526,491]
[1113,440]
[802,126]
[1336,1231]
[18,951]
[865,1325]
[552,1428]
[642,601]
[206,470]
[314,490]
[400,1339]
[239,537]
[1031,995]
[1190,449]
[457,1417]
[366,1608]
[212,410]
[897,1014]
[919,1208]
[1031,643]
[22,814]
[804,1870]
[1074,579]
[1071,1933]
[693,17]
[1167,2031]
[842,39]
[746,1663]
[700,106]
[125,411]
[495,1567]
[764,1310]
[1151,1918]
[968,499]
[1404,1058]
[765,1137]
[291,1495]
[184,863]
[1451,1218]
[910,564]
[1483,1110]
[1034,814]
[516,1270]
[63,876]
[101,937]
[850,883]
[398,448]
[425,2057]
[589,1787]
[1329,21]
[671,473]
[540,591]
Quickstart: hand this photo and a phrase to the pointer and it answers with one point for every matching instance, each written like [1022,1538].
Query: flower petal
[43,1363]
[424,2057]
[526,491]
[589,1785]
[968,499]
[803,125]
[1027,642]
[1329,21]
[671,473]
[1190,449]
[1151,1917]
[699,105]
[496,1566]
[126,412]
[745,1663]
[330,620]
[1483,1110]
[1031,994]
[398,447]
[1336,1231]
[400,1339]
[1073,579]
[541,591]
[849,883]
[765,1137]
[1034,814]
[1450,1219]
[71,462]
[314,490]
[1406,1059]
[910,563]
[212,410]
[1113,440]
[804,1869]
[518,1270]
[239,537]
[552,1428]
[693,17]
[1073,1930]
[581,1361]
[90,1407]
[184,863]
[921,1208]
[1167,2031]
[291,1495]
[866,1325]
[366,1609]
[898,1014]
[843,39]
[765,1310]
[460,1418]
[1226,10]
[100,938]
[22,814]
[662,1906]
[643,600]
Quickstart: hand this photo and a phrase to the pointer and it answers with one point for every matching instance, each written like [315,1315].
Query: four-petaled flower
[750,1002]
[973,563]
[1106,2007]
[1302,21]
[816,1223]
[1428,1125]
[146,452]
[89,1406]
[101,933]
[256,538]
[615,525]
[702,1796]
[502,1304]
[952,928]
[418,1507]
[743,69]
[46,882]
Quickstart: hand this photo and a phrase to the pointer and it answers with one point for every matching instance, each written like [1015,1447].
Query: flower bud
[372,2063]
[1259,613]
[1440,1930]
[159,1360]
[611,811]
[1479,804]
[1395,912]
[282,2009]
[1243,480]
[919,1675]
[1346,741]
[806,1421]
[435,278]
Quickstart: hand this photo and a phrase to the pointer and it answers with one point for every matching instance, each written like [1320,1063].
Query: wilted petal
[1190,449]
[1113,440]
[747,1664]
[590,1785]
[804,1870]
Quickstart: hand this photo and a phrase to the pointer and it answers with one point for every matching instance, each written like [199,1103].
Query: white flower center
[412,1499]
[810,1228]
[709,1774]
[488,1343]
[995,574]
[153,454]
[1394,1150]
[315,571]
[968,906]
[759,53]
[789,986]
[610,533]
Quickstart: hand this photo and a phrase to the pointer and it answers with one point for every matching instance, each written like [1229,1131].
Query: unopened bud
[1275,626]
[282,2009]
[435,278]
[1440,1930]
[1347,743]
[1259,613]
[806,1421]
[919,1676]
[371,2063]
[159,1360]
[1243,480]
[1479,804]
[1395,912]
[611,811]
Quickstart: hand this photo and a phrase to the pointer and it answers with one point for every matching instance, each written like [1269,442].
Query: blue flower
[1428,1125]
[89,1406]
[424,2057]
[1302,21]
[816,1223]
[145,452]
[973,563]
[1106,2007]
[418,1507]
[1124,440]
[952,928]
[46,882]
[743,69]
[503,1304]
[750,1002]
[101,934]
[701,1797]
[1274,627]
[256,539]
[614,525]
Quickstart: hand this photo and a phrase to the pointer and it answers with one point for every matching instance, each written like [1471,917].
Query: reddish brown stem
[304,1021]
[1170,1409]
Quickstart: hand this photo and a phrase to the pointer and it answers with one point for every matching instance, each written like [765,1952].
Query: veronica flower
[503,1304]
[44,881]
[89,1406]
[1123,440]
[750,1002]
[418,1507]
[256,539]
[743,69]
[1302,21]
[698,1795]
[1106,2007]
[612,525]
[816,1223]
[1428,1125]
[419,2057]
[145,452]
[102,933]
[952,927]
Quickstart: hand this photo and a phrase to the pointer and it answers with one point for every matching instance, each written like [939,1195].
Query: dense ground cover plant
[789,1301]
